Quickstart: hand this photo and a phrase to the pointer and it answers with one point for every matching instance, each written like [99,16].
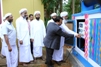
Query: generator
[88,23]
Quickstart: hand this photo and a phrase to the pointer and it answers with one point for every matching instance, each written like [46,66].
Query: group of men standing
[30,35]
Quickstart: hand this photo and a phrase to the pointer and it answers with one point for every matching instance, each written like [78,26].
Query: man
[37,35]
[23,38]
[58,54]
[2,38]
[30,20]
[52,39]
[31,17]
[10,47]
[53,16]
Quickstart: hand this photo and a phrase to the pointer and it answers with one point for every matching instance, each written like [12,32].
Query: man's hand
[78,36]
[7,42]
[10,49]
[21,42]
[32,40]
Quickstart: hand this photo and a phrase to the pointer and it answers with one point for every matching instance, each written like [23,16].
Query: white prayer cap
[8,14]
[53,14]
[36,12]
[64,14]
[22,10]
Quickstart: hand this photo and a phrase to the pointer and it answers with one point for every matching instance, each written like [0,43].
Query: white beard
[65,21]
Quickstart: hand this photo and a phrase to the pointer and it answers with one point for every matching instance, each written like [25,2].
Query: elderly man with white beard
[23,37]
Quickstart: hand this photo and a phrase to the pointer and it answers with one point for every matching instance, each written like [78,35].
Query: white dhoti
[58,54]
[3,49]
[37,51]
[11,57]
[25,54]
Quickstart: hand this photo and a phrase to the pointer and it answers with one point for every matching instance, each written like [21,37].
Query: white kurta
[3,42]
[58,54]
[38,33]
[50,21]
[23,34]
[11,57]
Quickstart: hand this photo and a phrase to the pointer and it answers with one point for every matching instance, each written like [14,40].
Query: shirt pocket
[9,30]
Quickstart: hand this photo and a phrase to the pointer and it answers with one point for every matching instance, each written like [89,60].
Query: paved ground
[40,63]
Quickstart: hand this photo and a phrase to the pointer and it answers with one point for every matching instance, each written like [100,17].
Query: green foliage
[68,7]
[50,6]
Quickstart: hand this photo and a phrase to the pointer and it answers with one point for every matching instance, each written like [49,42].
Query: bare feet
[25,64]
[58,62]
[62,61]
[31,62]
[35,60]
[42,58]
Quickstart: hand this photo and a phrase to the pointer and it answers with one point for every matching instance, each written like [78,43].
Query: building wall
[13,6]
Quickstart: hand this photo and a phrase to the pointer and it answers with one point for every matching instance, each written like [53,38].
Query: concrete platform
[73,60]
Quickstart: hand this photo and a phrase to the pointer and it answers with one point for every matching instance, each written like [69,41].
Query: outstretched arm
[61,33]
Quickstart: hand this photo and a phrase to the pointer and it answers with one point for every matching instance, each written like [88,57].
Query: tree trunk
[73,6]
[60,5]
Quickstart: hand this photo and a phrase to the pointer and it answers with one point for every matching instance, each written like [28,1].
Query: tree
[51,6]
[69,7]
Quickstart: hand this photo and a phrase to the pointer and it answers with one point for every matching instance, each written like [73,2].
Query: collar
[22,17]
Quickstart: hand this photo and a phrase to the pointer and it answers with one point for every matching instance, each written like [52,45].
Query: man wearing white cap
[23,37]
[37,35]
[2,38]
[10,47]
[58,54]
[53,15]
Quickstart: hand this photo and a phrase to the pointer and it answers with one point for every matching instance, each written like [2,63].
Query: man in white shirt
[2,38]
[10,47]
[58,54]
[53,15]
[38,33]
[23,37]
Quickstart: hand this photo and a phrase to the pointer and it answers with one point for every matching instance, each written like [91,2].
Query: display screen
[81,25]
